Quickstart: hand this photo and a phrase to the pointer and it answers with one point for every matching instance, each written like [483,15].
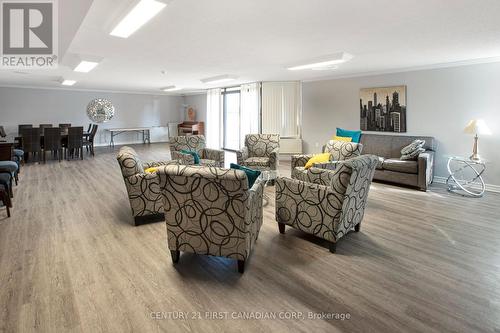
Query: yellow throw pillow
[342,138]
[151,170]
[320,158]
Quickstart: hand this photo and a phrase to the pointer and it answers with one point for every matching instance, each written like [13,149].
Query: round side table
[465,176]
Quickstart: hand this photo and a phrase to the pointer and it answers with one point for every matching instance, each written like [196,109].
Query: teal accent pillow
[355,135]
[194,154]
[252,175]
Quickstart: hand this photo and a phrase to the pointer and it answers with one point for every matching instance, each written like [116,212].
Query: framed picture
[383,109]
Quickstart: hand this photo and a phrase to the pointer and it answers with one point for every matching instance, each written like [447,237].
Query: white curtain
[281,106]
[249,110]
[214,119]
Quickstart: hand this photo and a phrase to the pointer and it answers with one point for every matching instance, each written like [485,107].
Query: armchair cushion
[257,162]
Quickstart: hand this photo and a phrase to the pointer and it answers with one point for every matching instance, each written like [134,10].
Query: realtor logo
[29,34]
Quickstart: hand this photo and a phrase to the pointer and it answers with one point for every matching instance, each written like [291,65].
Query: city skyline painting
[383,109]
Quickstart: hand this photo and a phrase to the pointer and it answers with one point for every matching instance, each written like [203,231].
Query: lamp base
[475,157]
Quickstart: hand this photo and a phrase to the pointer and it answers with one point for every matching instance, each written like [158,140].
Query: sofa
[143,188]
[331,203]
[196,143]
[390,168]
[211,211]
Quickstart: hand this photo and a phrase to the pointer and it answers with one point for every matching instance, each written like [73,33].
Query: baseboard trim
[489,187]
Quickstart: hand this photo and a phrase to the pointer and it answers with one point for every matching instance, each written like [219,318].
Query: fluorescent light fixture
[218,79]
[144,11]
[85,66]
[324,62]
[171,88]
[68,82]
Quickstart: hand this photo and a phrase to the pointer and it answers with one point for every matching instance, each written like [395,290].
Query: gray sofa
[391,168]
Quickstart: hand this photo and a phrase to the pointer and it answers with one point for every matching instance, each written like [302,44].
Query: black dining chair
[20,128]
[31,141]
[89,141]
[89,128]
[52,142]
[64,125]
[2,132]
[75,142]
[44,126]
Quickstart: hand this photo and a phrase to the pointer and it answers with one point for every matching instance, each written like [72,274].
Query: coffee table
[268,176]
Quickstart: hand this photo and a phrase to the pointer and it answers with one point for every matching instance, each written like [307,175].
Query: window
[231,110]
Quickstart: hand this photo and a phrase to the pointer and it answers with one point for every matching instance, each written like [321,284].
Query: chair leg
[333,247]
[357,228]
[175,255]
[241,266]
[281,227]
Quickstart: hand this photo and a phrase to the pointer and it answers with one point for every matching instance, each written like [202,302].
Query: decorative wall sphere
[100,110]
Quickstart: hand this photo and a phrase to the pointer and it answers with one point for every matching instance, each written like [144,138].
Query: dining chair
[7,162]
[64,125]
[89,141]
[75,142]
[2,132]
[89,128]
[20,128]
[31,141]
[44,126]
[5,199]
[52,142]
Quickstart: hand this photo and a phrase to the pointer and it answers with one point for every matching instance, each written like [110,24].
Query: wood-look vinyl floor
[72,261]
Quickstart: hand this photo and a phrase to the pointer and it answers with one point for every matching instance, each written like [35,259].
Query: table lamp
[475,127]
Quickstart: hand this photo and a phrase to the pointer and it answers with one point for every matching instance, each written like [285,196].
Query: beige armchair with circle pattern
[331,203]
[142,188]
[208,157]
[261,152]
[211,211]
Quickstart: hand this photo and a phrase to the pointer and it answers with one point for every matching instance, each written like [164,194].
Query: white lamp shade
[477,126]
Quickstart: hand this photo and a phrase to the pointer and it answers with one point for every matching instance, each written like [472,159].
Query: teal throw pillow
[355,135]
[252,175]
[194,154]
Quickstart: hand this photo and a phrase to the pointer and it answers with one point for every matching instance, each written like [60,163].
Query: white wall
[440,103]
[35,106]
[199,102]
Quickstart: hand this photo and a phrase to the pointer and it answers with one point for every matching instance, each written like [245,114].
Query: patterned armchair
[208,157]
[332,205]
[339,151]
[142,188]
[211,211]
[260,152]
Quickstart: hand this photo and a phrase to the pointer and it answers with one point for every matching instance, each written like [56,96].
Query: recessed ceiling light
[218,79]
[171,88]
[68,82]
[324,62]
[144,11]
[85,66]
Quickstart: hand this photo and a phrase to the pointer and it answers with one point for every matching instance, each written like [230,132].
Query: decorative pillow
[194,154]
[412,155]
[355,135]
[416,144]
[252,175]
[342,138]
[151,170]
[319,158]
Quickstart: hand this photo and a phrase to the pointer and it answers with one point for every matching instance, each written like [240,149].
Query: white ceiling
[257,39]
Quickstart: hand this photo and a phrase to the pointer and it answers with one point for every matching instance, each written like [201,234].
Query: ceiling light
[144,11]
[324,62]
[325,68]
[171,88]
[68,82]
[220,78]
[85,66]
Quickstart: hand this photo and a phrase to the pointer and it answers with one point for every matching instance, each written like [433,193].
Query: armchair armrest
[425,169]
[159,163]
[331,165]
[185,159]
[214,154]
[274,159]
[307,207]
[241,155]
[254,211]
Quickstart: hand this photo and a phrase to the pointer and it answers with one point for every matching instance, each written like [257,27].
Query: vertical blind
[249,110]
[214,119]
[281,105]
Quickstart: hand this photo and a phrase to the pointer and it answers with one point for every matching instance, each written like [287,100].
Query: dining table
[64,136]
